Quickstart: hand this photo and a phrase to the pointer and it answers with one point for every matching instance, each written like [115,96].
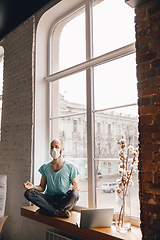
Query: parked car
[109,187]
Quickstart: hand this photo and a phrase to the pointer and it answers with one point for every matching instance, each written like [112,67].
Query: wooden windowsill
[69,225]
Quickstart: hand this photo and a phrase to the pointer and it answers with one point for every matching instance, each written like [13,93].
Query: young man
[59,177]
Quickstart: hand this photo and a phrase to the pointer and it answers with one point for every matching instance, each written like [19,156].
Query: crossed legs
[52,206]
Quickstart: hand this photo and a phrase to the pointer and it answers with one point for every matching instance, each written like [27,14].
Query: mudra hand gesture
[28,185]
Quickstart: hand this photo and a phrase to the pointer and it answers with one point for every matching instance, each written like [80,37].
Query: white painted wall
[45,24]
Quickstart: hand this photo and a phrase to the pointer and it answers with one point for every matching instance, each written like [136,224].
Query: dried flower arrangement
[126,179]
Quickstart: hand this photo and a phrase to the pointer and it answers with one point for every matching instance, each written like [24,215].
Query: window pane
[105,187]
[69,95]
[113,125]
[72,130]
[113,25]
[69,41]
[115,83]
[70,124]
[109,127]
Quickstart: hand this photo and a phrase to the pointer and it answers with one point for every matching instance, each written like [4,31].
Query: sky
[114,82]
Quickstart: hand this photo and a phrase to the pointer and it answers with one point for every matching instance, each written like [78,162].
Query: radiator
[54,236]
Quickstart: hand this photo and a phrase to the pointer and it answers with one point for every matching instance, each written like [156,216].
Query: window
[98,128]
[74,125]
[119,131]
[92,77]
[109,128]
[1,83]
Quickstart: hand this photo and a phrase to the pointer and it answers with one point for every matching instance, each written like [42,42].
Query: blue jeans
[49,204]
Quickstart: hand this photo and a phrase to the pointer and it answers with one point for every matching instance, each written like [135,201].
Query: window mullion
[107,57]
[90,132]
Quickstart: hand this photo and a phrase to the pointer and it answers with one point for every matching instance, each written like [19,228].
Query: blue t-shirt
[58,182]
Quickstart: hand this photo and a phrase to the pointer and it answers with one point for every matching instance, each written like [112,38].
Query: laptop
[96,218]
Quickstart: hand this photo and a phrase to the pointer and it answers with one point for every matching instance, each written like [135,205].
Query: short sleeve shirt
[58,182]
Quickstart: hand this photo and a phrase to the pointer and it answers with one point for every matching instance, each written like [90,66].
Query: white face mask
[55,153]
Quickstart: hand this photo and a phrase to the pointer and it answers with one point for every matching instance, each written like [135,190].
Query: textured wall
[16,154]
[148,70]
[17,121]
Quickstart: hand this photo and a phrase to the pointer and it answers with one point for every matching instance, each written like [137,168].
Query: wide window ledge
[69,225]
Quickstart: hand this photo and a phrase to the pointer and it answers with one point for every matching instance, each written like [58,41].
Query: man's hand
[74,184]
[74,187]
[39,188]
[28,185]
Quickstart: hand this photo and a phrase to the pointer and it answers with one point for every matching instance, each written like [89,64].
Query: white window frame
[88,66]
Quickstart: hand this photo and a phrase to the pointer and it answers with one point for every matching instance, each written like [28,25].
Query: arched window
[91,76]
[1,83]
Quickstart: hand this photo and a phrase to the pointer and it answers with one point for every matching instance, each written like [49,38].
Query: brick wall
[17,121]
[148,72]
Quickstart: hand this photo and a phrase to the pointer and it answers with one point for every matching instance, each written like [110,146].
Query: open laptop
[96,218]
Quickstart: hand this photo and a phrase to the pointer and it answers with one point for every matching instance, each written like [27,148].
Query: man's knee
[28,194]
[75,194]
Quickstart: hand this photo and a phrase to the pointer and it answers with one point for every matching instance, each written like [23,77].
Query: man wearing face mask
[59,177]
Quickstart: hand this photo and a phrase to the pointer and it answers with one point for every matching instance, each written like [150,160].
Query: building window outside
[109,148]
[74,125]
[109,128]
[108,76]
[98,128]
[119,130]
[109,167]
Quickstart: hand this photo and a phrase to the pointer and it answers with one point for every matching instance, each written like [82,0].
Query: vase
[123,211]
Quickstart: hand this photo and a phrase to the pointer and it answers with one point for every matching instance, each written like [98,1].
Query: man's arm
[40,187]
[74,184]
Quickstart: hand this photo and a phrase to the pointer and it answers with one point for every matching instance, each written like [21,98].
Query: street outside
[107,199]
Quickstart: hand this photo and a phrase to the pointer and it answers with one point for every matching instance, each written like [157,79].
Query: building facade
[110,126]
